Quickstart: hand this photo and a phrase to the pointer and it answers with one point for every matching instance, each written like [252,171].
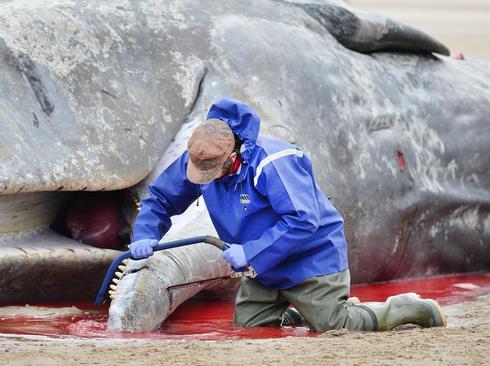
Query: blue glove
[142,248]
[235,256]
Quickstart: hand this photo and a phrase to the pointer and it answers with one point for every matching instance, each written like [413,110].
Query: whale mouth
[99,219]
[56,246]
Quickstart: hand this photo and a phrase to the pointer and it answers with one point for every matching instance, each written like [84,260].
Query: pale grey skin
[93,92]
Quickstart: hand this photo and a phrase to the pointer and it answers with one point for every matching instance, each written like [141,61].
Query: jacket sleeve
[170,195]
[289,185]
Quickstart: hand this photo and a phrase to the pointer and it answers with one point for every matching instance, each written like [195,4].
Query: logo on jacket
[244,199]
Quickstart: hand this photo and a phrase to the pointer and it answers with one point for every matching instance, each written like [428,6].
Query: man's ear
[230,161]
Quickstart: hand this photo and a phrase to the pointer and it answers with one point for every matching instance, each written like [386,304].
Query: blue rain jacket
[272,205]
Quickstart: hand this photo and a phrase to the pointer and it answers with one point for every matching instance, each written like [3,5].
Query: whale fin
[367,32]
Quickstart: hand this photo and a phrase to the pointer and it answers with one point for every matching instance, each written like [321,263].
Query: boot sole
[439,316]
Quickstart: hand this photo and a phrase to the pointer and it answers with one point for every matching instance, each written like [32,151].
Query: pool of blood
[208,320]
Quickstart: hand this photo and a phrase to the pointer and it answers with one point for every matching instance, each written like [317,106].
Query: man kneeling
[263,199]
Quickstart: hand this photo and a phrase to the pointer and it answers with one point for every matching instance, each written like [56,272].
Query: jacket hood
[242,119]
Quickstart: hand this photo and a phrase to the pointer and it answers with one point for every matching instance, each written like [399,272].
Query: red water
[213,319]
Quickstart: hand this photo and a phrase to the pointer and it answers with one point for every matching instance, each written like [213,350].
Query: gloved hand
[142,248]
[235,256]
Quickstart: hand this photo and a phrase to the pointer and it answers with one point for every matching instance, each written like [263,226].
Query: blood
[401,160]
[446,290]
[212,320]
[458,56]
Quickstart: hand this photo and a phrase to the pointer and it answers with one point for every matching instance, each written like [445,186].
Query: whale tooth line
[117,278]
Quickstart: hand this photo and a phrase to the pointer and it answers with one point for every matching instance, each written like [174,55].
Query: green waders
[322,301]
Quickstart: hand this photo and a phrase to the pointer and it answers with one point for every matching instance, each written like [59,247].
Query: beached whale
[101,96]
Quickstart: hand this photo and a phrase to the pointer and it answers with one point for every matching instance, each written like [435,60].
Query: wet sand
[466,341]
[463,25]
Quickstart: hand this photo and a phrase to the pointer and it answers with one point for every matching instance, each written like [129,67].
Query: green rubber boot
[406,309]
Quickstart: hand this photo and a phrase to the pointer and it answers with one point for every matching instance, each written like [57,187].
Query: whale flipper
[367,32]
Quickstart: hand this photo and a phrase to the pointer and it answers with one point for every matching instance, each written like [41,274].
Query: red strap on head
[236,165]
